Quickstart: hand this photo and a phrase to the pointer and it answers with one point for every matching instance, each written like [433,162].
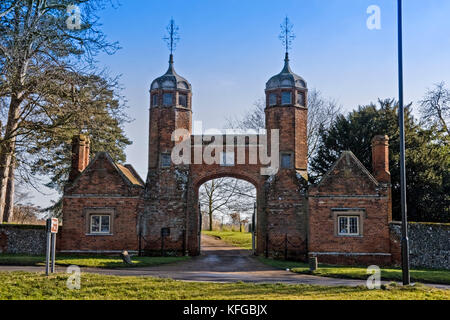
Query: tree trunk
[210,221]
[210,212]
[7,151]
[9,205]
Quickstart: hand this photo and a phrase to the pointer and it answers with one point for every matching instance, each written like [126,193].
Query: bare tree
[24,211]
[321,113]
[435,107]
[35,38]
[225,195]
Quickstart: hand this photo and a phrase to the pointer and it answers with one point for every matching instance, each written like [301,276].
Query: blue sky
[229,49]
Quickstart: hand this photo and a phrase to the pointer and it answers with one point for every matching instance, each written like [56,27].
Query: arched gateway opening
[227,209]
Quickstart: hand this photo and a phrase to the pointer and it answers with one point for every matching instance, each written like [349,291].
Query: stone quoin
[108,208]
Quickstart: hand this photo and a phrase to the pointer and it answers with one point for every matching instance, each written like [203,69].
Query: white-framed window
[348,226]
[286,97]
[227,159]
[100,224]
[272,99]
[167,99]
[166,160]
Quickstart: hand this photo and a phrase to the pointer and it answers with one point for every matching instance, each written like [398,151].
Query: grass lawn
[238,239]
[87,261]
[388,274]
[30,286]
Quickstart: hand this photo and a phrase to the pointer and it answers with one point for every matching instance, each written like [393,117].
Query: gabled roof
[127,172]
[130,174]
[350,160]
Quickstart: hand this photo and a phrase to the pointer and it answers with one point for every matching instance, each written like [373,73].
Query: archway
[227,212]
[250,176]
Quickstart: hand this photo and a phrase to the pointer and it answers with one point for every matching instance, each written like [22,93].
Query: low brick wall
[429,244]
[22,239]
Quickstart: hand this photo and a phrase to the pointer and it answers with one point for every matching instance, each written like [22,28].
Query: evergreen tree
[48,151]
[427,157]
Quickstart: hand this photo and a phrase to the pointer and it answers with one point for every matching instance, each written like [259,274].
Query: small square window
[348,226]
[286,161]
[166,160]
[227,159]
[272,99]
[168,99]
[155,100]
[182,100]
[286,97]
[100,224]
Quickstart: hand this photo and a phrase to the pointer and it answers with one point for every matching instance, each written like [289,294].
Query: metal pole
[401,114]
[254,229]
[48,248]
[53,252]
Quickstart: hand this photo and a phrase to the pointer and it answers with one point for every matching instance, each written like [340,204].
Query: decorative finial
[172,38]
[287,35]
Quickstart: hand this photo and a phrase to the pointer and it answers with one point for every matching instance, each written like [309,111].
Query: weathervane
[173,37]
[287,35]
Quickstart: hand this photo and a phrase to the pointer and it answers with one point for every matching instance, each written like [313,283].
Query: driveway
[219,262]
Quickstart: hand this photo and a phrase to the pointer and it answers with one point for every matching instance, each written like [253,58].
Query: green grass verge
[388,274]
[88,261]
[238,239]
[29,286]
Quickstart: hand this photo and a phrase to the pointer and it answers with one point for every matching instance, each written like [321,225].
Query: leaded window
[166,160]
[286,97]
[348,225]
[272,99]
[182,100]
[100,224]
[286,161]
[168,99]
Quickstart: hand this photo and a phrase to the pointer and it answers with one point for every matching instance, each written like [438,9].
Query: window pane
[166,161]
[286,98]
[301,98]
[155,100]
[227,159]
[354,225]
[168,99]
[343,225]
[272,99]
[105,224]
[286,162]
[182,100]
[95,224]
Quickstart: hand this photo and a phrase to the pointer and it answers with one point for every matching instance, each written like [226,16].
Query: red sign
[54,226]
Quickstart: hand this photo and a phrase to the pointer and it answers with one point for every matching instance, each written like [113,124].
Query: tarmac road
[219,262]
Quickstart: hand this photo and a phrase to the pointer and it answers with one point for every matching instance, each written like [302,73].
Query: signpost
[52,230]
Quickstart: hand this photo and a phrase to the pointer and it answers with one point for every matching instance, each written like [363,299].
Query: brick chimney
[80,155]
[380,159]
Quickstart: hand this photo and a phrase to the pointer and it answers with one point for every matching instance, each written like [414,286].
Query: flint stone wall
[429,244]
[22,239]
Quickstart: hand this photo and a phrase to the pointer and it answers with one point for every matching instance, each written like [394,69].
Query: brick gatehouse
[108,208]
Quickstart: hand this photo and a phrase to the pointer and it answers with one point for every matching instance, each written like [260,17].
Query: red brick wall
[349,187]
[100,187]
[75,231]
